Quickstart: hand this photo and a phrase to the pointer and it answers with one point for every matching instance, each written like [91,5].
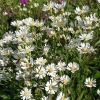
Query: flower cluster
[50,59]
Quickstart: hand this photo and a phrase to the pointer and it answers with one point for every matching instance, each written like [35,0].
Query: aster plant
[52,59]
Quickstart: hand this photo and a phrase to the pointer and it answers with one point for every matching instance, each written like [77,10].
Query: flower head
[25,93]
[89,82]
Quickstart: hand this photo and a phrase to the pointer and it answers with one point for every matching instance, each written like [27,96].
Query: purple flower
[23,1]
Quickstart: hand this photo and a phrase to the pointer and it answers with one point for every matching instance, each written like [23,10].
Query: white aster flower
[60,5]
[61,96]
[72,66]
[49,6]
[89,82]
[40,61]
[55,78]
[65,79]
[40,72]
[51,69]
[85,48]
[25,94]
[51,87]
[46,49]
[45,98]
[61,66]
[86,36]
[17,23]
[39,23]
[98,1]
[36,4]
[81,11]
[27,49]
[98,92]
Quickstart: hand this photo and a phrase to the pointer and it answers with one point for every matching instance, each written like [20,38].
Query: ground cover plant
[50,50]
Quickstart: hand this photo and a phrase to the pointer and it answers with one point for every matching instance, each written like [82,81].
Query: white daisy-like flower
[45,98]
[81,11]
[40,61]
[39,23]
[40,72]
[86,36]
[61,96]
[49,6]
[61,66]
[55,78]
[46,49]
[25,94]
[27,49]
[85,48]
[60,5]
[51,87]
[51,69]
[72,66]
[98,92]
[98,1]
[65,79]
[89,82]
[36,4]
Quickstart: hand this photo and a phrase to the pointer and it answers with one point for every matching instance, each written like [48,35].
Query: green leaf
[81,96]
[97,43]
[97,75]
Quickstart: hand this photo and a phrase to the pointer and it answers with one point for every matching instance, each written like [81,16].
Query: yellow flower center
[48,7]
[59,23]
[81,11]
[61,66]
[26,93]
[73,68]
[40,72]
[90,83]
[65,80]
[50,70]
[62,98]
[51,87]
[39,25]
[32,23]
[84,49]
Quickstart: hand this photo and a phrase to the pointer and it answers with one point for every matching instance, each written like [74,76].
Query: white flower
[81,11]
[73,66]
[61,66]
[36,4]
[86,36]
[65,79]
[55,78]
[60,5]
[61,96]
[98,92]
[98,1]
[27,49]
[85,48]
[17,23]
[40,61]
[7,37]
[26,63]
[39,23]
[25,94]
[40,72]
[49,6]
[46,49]
[51,87]
[89,82]
[51,69]
[45,98]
